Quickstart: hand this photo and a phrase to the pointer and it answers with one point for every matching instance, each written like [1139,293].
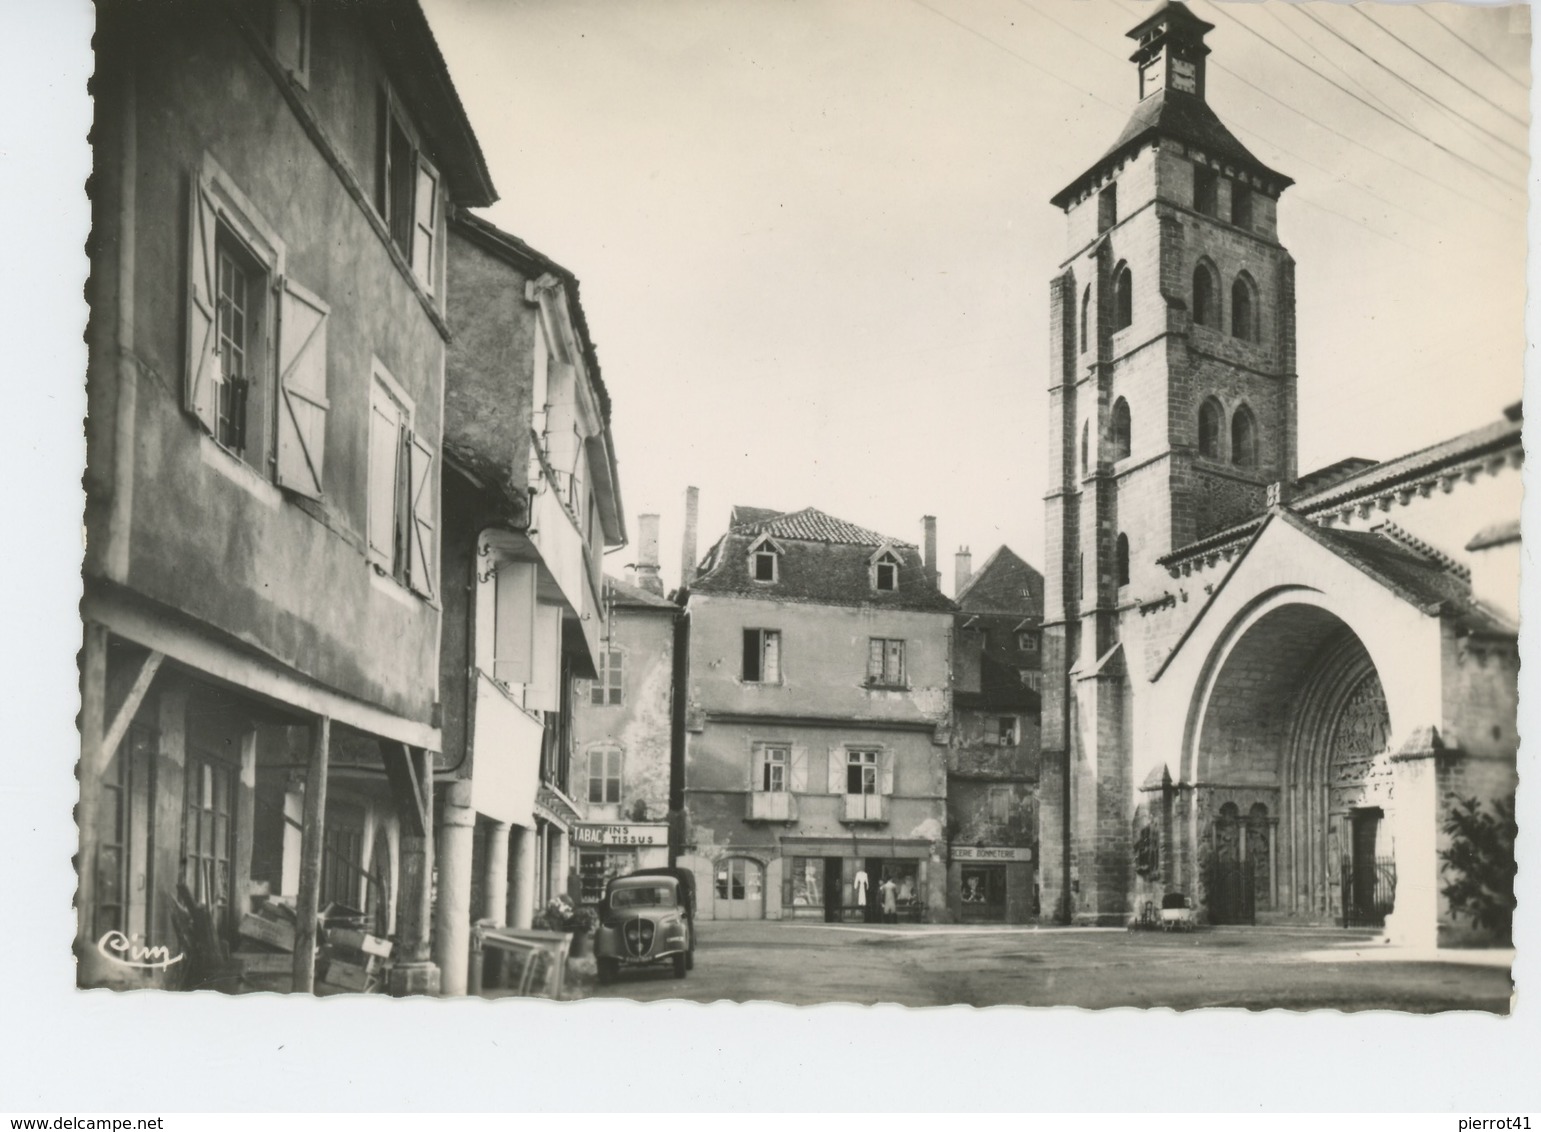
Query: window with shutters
[408,193]
[402,499]
[762,656]
[605,776]
[885,662]
[256,364]
[291,38]
[607,690]
[861,772]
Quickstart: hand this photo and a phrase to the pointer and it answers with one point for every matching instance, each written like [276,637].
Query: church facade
[1263,691]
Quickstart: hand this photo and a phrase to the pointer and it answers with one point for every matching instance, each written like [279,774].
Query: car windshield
[653,896]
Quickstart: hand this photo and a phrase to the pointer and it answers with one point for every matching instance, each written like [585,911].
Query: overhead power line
[1495,177]
[1409,84]
[1515,118]
[1477,51]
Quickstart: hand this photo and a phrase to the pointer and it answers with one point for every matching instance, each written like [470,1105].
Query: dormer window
[885,572]
[765,560]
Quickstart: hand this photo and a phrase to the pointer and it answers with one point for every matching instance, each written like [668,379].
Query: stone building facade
[992,756]
[818,703]
[1267,689]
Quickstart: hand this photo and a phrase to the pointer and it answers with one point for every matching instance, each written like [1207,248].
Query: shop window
[739,879]
[1244,438]
[1243,309]
[1210,418]
[885,662]
[762,656]
[1122,430]
[983,892]
[807,882]
[342,855]
[906,878]
[597,867]
[604,773]
[402,511]
[1121,555]
[1206,303]
[607,690]
[1123,299]
[208,834]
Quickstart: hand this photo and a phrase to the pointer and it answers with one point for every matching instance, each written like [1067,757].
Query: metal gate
[1369,891]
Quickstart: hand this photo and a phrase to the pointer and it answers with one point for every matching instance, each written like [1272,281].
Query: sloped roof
[823,561]
[1004,584]
[624,594]
[809,524]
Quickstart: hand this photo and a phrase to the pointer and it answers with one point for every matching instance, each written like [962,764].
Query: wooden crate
[271,932]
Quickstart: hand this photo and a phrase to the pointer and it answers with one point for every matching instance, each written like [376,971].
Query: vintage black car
[647,917]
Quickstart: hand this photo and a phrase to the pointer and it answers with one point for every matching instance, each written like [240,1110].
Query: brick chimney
[928,524]
[962,570]
[688,545]
[647,555]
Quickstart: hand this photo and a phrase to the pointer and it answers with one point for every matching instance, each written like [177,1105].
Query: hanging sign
[990,853]
[617,833]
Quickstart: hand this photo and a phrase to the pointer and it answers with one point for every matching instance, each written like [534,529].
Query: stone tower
[1172,408]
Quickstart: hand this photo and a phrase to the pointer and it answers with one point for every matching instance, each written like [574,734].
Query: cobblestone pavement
[1251,968]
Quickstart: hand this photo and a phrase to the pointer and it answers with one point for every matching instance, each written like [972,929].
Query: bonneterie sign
[990,853]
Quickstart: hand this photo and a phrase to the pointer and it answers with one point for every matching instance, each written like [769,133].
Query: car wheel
[681,965]
[608,970]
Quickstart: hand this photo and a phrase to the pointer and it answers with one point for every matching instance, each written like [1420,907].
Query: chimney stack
[688,546]
[647,555]
[962,571]
[928,522]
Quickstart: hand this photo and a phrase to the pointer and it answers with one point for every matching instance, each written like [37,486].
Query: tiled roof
[809,524]
[1004,584]
[823,561]
[624,594]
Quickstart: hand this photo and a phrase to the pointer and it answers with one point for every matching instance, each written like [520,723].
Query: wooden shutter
[752,654]
[422,534]
[772,665]
[837,770]
[203,366]
[301,389]
[797,777]
[425,222]
[886,772]
[513,641]
[757,769]
[544,691]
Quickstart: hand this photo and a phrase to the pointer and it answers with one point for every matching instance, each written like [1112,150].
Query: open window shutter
[799,772]
[423,536]
[425,222]
[384,450]
[203,367]
[772,673]
[302,390]
[544,691]
[886,772]
[757,769]
[514,635]
[836,770]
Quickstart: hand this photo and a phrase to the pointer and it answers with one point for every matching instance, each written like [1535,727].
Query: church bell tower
[1172,409]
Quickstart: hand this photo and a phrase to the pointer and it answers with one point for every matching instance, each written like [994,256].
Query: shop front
[851,882]
[606,850]
[991,884]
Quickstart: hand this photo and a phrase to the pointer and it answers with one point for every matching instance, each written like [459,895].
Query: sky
[815,239]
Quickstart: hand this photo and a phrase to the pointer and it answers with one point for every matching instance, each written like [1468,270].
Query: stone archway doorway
[1289,811]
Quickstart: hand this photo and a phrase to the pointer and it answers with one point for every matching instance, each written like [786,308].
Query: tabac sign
[990,853]
[618,833]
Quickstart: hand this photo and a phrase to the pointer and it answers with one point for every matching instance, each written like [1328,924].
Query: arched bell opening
[1287,778]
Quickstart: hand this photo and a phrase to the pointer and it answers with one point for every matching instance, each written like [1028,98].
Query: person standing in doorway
[890,894]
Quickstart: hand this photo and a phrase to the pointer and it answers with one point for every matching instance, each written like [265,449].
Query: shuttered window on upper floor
[408,192]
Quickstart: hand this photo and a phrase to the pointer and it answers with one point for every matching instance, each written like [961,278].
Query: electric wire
[1516,119]
[1480,54]
[1409,84]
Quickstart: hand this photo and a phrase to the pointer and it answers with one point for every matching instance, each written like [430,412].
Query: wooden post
[93,723]
[311,841]
[245,818]
[166,822]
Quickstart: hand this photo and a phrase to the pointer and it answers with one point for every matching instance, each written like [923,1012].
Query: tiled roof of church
[823,561]
[811,524]
[1004,584]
